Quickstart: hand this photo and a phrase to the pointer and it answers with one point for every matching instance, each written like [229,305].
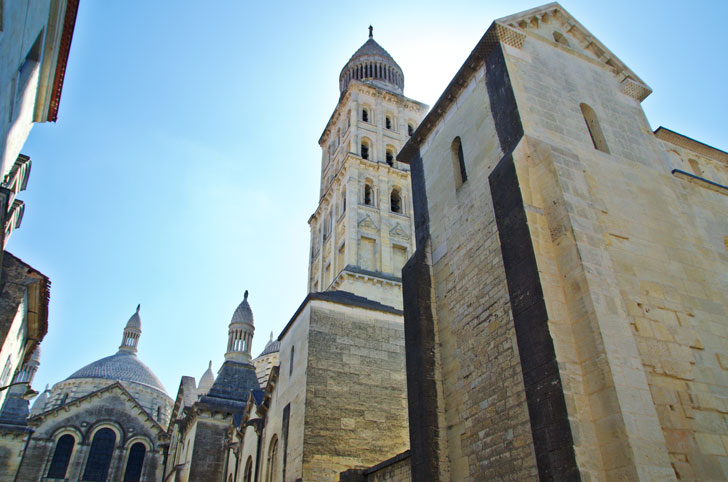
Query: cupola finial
[371,32]
[245,296]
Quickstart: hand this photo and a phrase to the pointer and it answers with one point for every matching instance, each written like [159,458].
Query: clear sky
[184,165]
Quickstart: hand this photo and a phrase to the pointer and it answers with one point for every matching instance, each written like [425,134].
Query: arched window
[368,195]
[365,114]
[395,201]
[559,37]
[365,148]
[290,366]
[248,472]
[390,156]
[273,460]
[343,200]
[458,162]
[388,122]
[410,129]
[99,458]
[595,130]
[133,472]
[61,457]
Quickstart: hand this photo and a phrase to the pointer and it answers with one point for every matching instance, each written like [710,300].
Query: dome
[273,346]
[243,313]
[372,64]
[122,366]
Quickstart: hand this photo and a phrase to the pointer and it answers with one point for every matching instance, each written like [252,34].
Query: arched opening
[595,130]
[559,38]
[388,122]
[395,201]
[410,129]
[248,472]
[133,472]
[368,194]
[390,156]
[458,162]
[365,114]
[61,457]
[365,148]
[99,458]
[343,200]
[273,460]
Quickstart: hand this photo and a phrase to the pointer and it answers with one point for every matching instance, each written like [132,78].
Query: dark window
[99,458]
[395,201]
[134,464]
[365,151]
[410,129]
[390,157]
[387,122]
[368,195]
[365,115]
[458,162]
[290,367]
[595,130]
[61,457]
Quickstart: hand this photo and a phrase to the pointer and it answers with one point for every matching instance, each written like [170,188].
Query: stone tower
[361,232]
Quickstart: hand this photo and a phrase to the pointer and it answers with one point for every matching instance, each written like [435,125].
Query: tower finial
[371,30]
[245,296]
[139,306]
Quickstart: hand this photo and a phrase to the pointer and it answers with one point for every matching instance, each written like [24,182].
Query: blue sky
[184,164]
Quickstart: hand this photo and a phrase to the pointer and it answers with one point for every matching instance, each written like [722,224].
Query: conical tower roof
[206,381]
[372,64]
[243,313]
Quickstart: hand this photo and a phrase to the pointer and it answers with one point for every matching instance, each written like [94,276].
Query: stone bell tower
[362,232]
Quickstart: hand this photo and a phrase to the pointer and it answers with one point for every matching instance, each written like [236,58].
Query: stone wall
[483,422]
[356,405]
[613,323]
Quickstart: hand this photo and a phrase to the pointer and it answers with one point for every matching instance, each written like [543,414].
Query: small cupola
[240,333]
[132,332]
[372,64]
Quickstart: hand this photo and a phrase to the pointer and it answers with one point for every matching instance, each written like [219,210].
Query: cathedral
[525,282]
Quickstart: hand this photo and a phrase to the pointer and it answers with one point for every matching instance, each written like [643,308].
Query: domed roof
[273,346]
[371,63]
[122,366]
[135,322]
[243,313]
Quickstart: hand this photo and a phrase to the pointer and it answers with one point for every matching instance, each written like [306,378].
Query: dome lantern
[240,333]
[132,332]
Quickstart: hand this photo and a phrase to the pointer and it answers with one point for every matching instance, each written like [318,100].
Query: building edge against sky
[34,47]
[565,310]
[537,328]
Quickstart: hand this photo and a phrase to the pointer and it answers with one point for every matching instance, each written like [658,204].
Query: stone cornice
[690,144]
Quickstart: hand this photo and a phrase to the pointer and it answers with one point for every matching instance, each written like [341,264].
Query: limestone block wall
[290,390]
[476,407]
[12,444]
[356,404]
[633,259]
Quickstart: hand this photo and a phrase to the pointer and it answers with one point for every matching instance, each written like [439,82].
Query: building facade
[104,422]
[337,398]
[565,310]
